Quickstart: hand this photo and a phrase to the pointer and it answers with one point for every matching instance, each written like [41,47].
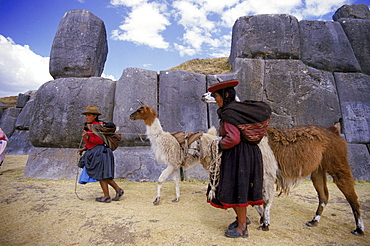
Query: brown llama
[315,151]
[304,151]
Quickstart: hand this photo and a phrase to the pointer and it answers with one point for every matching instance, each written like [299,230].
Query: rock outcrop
[80,46]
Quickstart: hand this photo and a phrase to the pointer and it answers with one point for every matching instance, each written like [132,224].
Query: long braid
[214,169]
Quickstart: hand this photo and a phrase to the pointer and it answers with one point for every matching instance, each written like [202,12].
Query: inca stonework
[310,72]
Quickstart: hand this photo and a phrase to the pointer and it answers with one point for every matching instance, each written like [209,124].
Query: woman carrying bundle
[98,160]
[242,125]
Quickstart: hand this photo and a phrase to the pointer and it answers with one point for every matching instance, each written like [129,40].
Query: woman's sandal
[233,233]
[119,193]
[103,199]
[235,223]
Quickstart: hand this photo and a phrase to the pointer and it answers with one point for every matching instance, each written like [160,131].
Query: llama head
[145,113]
[208,98]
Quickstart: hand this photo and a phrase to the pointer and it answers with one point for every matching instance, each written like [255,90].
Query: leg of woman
[241,213]
[104,187]
[119,191]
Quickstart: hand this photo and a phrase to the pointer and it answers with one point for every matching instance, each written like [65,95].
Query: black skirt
[99,162]
[241,177]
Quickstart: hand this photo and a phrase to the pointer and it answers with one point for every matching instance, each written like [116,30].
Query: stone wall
[310,72]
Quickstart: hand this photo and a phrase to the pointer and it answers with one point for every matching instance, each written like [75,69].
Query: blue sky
[149,34]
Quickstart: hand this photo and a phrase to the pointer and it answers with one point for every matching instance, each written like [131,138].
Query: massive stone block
[24,118]
[52,163]
[359,160]
[56,119]
[180,107]
[135,84]
[324,45]
[132,163]
[354,91]
[358,33]
[8,119]
[22,100]
[137,164]
[359,11]
[251,74]
[300,95]
[19,143]
[80,46]
[265,36]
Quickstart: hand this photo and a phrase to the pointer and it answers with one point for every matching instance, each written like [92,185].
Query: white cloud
[144,24]
[185,50]
[20,68]
[128,3]
[205,25]
[108,76]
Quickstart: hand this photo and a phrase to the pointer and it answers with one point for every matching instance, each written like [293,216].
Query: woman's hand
[81,150]
[84,134]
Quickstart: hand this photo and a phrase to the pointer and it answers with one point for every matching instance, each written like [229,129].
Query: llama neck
[154,129]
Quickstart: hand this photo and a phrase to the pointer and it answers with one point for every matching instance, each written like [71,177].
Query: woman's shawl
[107,134]
[250,117]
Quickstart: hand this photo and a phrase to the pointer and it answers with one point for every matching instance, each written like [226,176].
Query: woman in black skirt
[242,125]
[98,161]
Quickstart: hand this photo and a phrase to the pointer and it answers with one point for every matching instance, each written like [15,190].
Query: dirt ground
[48,212]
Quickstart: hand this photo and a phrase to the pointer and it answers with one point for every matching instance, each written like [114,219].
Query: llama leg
[164,175]
[318,178]
[176,178]
[346,186]
[265,216]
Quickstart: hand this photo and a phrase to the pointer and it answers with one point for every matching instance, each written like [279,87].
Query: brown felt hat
[91,110]
[223,85]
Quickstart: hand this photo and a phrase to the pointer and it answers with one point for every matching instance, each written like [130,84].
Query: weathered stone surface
[52,163]
[358,33]
[8,119]
[324,45]
[359,160]
[359,11]
[80,46]
[300,95]
[265,36]
[137,164]
[133,163]
[19,143]
[354,91]
[56,119]
[1,109]
[24,118]
[197,172]
[135,84]
[250,73]
[22,100]
[180,107]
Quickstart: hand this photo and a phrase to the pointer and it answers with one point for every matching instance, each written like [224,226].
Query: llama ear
[141,104]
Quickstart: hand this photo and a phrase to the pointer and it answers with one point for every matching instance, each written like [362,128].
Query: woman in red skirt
[242,125]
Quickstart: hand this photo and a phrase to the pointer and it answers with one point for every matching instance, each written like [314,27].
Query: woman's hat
[223,85]
[91,110]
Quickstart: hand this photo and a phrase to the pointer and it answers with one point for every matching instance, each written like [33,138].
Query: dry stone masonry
[310,72]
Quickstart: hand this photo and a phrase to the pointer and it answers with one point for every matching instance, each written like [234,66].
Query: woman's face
[219,100]
[90,118]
